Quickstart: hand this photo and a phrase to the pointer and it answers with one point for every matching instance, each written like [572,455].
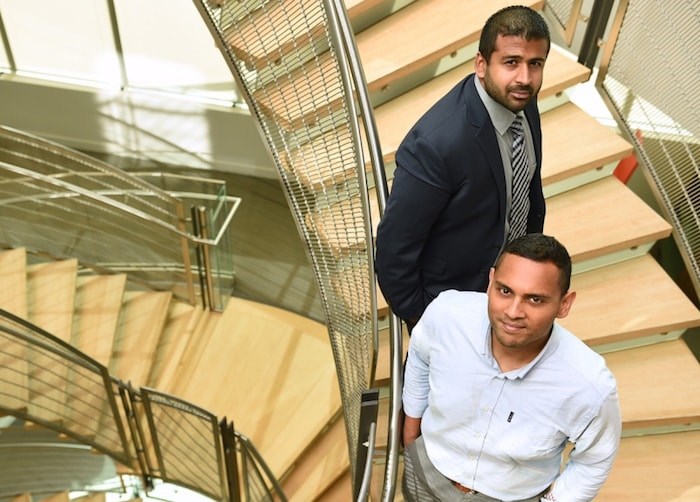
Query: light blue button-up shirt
[503,434]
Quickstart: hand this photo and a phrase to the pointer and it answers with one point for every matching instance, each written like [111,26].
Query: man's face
[513,75]
[524,298]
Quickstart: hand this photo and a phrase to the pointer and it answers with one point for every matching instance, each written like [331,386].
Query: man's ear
[480,64]
[566,304]
[492,271]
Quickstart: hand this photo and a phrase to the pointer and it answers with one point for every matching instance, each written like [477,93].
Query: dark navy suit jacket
[445,218]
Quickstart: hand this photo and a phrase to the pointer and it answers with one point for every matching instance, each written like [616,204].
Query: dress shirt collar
[520,373]
[501,117]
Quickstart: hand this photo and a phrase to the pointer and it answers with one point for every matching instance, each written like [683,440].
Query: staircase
[269,371]
[627,307]
[272,372]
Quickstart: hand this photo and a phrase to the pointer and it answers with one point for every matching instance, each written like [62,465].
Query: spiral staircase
[273,371]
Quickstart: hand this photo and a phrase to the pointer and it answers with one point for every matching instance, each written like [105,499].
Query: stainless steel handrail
[350,54]
[101,196]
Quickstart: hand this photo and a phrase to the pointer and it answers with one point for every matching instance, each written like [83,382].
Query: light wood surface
[279,375]
[656,468]
[396,46]
[326,459]
[565,154]
[140,324]
[659,384]
[14,369]
[394,118]
[601,218]
[56,497]
[598,319]
[181,325]
[51,298]
[98,302]
[13,275]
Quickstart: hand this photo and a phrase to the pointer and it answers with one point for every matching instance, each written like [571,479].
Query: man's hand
[411,430]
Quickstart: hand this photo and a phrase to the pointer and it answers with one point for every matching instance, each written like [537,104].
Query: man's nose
[514,308]
[524,75]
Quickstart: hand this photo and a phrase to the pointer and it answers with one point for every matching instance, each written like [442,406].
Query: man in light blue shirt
[495,389]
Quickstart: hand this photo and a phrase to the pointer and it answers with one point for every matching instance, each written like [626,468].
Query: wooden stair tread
[51,296]
[659,384]
[13,353]
[601,218]
[613,303]
[182,322]
[316,468]
[565,154]
[655,467]
[394,118]
[98,303]
[13,274]
[420,34]
[141,321]
[285,381]
[50,303]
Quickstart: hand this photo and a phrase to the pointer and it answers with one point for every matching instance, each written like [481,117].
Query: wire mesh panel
[280,52]
[184,439]
[46,381]
[649,77]
[58,201]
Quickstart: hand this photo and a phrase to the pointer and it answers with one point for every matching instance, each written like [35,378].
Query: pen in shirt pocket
[510,417]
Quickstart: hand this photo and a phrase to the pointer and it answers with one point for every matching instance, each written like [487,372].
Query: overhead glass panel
[168,47]
[66,39]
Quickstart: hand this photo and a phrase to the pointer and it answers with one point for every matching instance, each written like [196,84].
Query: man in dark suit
[448,213]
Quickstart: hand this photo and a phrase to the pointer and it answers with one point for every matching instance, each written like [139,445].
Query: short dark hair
[516,20]
[543,249]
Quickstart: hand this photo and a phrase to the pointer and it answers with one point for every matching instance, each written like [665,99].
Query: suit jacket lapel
[485,135]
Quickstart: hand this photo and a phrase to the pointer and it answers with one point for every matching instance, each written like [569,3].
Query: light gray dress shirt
[502,118]
[503,434]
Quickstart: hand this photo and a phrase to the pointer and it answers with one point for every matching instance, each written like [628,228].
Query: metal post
[598,21]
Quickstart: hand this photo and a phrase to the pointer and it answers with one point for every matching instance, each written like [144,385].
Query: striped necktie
[520,200]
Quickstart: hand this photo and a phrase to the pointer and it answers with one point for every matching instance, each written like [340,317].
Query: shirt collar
[501,117]
[520,373]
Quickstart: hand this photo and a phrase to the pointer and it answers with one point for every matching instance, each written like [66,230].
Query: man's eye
[536,299]
[505,291]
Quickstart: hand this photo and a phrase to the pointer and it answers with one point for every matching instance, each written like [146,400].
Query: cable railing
[45,381]
[58,201]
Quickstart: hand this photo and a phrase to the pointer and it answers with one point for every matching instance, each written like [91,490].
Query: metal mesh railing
[287,64]
[648,79]
[184,442]
[57,201]
[157,436]
[46,381]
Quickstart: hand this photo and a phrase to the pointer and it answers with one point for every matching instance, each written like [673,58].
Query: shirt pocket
[532,441]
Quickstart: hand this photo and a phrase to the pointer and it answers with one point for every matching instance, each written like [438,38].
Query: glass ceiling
[157,45]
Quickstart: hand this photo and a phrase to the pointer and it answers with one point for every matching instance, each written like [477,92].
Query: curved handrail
[144,407]
[350,54]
